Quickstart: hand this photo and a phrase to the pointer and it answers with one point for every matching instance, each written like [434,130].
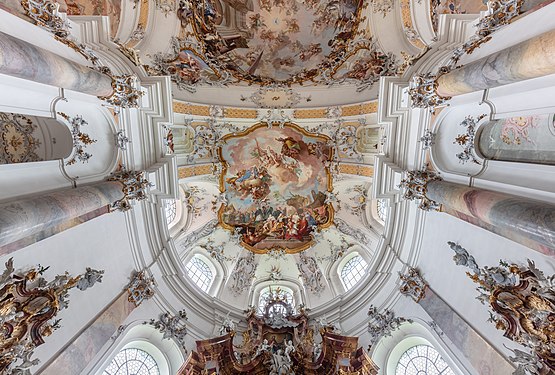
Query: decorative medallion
[17,139]
[276,182]
[275,96]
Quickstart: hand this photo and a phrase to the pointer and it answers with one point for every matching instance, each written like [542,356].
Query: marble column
[485,359]
[28,220]
[524,139]
[532,58]
[87,344]
[523,220]
[27,61]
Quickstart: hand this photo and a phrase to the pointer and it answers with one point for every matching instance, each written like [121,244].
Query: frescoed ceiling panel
[270,43]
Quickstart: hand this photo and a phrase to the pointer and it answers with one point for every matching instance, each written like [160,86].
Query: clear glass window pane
[170,207]
[266,294]
[353,271]
[200,273]
[132,361]
[422,360]
[382,209]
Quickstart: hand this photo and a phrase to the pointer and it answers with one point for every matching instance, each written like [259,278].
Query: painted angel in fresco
[186,67]
[254,181]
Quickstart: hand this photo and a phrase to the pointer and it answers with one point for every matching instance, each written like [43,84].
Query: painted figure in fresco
[186,67]
[290,147]
[253,181]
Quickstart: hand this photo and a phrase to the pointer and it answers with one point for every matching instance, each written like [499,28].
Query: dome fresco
[273,42]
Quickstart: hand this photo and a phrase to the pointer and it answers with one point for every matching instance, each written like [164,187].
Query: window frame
[126,360]
[210,267]
[446,370]
[344,264]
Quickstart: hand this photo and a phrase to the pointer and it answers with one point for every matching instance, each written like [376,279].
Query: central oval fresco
[275,182]
[276,40]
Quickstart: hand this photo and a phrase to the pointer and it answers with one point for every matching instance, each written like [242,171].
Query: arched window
[267,294]
[132,361]
[422,360]
[200,273]
[353,271]
[170,207]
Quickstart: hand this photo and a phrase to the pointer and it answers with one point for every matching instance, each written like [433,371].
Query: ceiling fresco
[272,42]
[276,182]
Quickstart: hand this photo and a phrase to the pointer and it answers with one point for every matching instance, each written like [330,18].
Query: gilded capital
[413,284]
[423,91]
[415,186]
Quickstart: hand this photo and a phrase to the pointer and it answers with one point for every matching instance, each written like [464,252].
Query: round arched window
[422,360]
[132,361]
[353,271]
[200,273]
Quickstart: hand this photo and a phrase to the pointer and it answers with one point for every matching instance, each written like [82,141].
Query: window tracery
[422,360]
[353,271]
[170,208]
[268,294]
[200,273]
[132,361]
[381,209]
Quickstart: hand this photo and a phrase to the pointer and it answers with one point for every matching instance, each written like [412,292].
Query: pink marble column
[526,221]
[28,220]
[27,61]
[532,58]
[79,352]
[485,359]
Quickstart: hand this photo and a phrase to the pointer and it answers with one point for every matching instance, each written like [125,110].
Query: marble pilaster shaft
[485,359]
[527,221]
[23,219]
[532,58]
[87,344]
[27,61]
